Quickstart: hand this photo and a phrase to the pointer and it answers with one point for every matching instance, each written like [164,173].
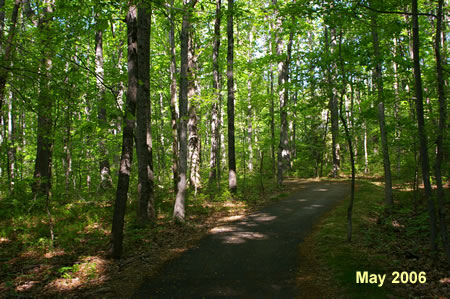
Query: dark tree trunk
[421,128]
[388,197]
[105,169]
[441,131]
[145,207]
[44,149]
[179,208]
[7,57]
[173,100]
[232,177]
[215,156]
[128,136]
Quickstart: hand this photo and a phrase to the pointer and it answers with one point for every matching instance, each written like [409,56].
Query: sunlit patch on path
[248,256]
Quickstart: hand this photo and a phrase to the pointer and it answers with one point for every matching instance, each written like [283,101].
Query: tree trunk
[105,169]
[215,156]
[7,57]
[441,132]
[145,207]
[173,100]
[179,208]
[128,136]
[249,104]
[421,128]
[388,197]
[194,139]
[44,149]
[333,104]
[232,178]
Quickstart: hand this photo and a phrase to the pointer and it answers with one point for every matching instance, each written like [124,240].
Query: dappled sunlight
[231,218]
[4,240]
[53,253]
[320,190]
[242,237]
[263,217]
[302,200]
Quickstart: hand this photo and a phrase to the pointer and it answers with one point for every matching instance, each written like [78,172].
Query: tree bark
[105,169]
[127,137]
[333,104]
[249,104]
[441,132]
[388,197]
[232,177]
[7,57]
[179,208]
[145,207]
[421,128]
[173,100]
[44,149]
[194,139]
[215,155]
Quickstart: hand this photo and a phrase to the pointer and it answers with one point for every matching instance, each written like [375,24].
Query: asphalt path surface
[253,257]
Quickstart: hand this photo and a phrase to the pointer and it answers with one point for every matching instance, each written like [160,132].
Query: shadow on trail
[252,257]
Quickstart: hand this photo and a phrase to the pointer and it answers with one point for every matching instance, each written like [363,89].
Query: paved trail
[254,257]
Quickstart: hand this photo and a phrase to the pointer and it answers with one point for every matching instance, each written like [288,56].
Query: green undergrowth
[380,245]
[82,226]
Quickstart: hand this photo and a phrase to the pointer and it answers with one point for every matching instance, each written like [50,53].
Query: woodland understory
[129,128]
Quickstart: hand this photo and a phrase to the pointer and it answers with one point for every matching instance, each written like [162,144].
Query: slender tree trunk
[105,169]
[232,177]
[388,197]
[333,104]
[421,128]
[179,208]
[215,148]
[349,141]
[249,104]
[173,100]
[145,207]
[128,136]
[441,132]
[11,143]
[8,52]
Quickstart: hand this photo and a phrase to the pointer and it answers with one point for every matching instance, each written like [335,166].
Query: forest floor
[77,266]
[380,244]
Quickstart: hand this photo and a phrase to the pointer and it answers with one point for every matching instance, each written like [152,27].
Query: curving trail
[254,257]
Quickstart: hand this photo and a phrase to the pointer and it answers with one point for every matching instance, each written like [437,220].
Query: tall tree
[127,137]
[232,177]
[421,127]
[179,208]
[388,197]
[441,130]
[145,207]
[105,169]
[173,98]
[44,149]
[215,149]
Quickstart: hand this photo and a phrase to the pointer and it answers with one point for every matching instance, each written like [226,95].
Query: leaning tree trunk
[421,128]
[388,197]
[232,178]
[441,132]
[179,208]
[105,169]
[145,207]
[214,156]
[128,136]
